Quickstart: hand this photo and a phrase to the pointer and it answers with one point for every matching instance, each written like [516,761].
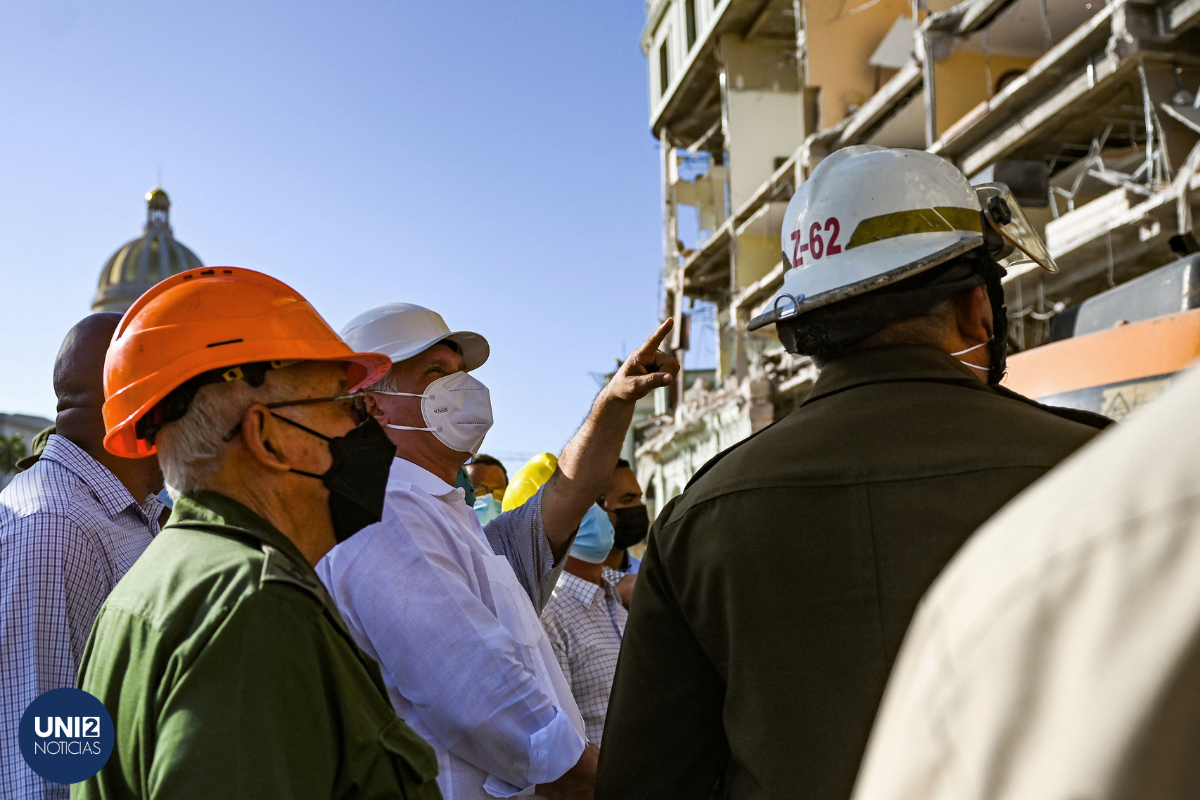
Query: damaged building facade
[1088,110]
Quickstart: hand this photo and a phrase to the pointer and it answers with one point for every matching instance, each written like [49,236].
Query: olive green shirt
[777,588]
[230,674]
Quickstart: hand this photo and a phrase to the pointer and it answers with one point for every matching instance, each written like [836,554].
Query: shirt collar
[113,495]
[204,509]
[153,507]
[585,592]
[889,364]
[404,472]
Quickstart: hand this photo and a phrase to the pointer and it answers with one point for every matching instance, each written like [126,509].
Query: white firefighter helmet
[870,216]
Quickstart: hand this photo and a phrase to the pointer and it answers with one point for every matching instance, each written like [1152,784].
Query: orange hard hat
[207,319]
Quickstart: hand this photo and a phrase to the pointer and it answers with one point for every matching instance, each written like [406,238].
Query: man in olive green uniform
[224,663]
[777,588]
[242,680]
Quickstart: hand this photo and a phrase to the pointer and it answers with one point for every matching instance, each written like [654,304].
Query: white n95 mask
[457,409]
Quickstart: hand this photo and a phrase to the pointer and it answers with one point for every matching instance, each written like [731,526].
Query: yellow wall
[839,44]
[962,83]
[756,256]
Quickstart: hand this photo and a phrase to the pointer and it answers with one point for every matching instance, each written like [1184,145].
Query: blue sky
[489,160]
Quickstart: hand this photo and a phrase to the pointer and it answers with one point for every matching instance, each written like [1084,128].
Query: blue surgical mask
[165,497]
[487,508]
[595,538]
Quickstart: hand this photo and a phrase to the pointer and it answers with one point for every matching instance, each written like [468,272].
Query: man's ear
[260,434]
[973,315]
[374,409]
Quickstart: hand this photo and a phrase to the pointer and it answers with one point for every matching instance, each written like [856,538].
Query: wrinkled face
[414,375]
[332,419]
[487,479]
[623,490]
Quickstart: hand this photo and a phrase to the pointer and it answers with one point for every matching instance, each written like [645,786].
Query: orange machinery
[1111,372]
[1119,349]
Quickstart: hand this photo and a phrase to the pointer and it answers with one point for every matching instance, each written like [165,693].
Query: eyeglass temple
[356,395]
[311,400]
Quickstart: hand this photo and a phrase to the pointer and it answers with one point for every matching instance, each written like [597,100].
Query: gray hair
[191,448]
[385,384]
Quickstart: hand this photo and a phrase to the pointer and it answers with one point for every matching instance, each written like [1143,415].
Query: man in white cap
[450,609]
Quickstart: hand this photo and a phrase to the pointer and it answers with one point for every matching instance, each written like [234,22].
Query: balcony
[688,102]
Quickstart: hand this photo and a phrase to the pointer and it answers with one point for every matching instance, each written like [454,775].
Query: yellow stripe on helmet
[920,220]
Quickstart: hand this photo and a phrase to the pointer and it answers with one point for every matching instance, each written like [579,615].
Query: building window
[664,69]
[689,12]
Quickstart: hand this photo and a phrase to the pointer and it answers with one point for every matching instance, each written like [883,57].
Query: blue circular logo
[66,735]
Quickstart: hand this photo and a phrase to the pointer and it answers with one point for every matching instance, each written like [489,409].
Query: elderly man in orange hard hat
[228,670]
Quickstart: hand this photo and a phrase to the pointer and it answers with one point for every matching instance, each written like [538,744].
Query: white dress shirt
[457,636]
[1057,656]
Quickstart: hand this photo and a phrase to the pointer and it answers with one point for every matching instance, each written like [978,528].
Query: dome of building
[143,262]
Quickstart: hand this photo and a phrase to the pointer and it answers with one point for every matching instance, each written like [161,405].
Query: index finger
[650,346]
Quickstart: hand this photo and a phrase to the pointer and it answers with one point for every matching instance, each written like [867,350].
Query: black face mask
[632,525]
[357,478]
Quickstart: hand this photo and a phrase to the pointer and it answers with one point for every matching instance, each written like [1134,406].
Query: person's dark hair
[491,462]
[915,310]
[622,464]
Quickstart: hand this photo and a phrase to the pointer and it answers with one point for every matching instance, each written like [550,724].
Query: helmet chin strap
[992,275]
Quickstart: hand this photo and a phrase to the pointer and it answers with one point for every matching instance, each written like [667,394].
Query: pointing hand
[646,369]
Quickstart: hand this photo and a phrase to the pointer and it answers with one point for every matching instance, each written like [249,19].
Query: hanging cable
[987,62]
[1046,23]
[1152,172]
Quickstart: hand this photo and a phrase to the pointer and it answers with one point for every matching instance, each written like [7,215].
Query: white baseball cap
[402,330]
